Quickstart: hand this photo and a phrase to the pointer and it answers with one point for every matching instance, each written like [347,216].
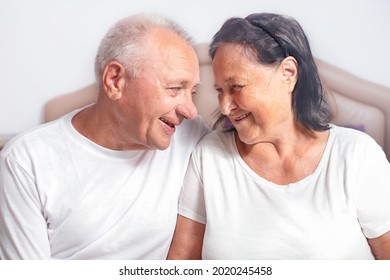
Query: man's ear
[290,71]
[114,76]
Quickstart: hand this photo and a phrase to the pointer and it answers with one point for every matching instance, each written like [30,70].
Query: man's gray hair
[125,42]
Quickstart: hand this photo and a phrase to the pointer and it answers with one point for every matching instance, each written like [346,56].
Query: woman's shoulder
[351,135]
[352,139]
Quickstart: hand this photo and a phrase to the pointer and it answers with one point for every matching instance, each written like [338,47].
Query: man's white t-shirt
[327,215]
[64,197]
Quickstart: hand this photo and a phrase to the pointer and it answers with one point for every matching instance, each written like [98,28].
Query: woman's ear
[114,76]
[290,71]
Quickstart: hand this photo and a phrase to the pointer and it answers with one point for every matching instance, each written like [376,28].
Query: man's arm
[23,228]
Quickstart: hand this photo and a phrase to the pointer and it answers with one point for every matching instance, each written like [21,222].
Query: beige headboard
[357,103]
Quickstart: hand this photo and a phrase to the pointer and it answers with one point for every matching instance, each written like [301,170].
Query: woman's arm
[187,241]
[380,246]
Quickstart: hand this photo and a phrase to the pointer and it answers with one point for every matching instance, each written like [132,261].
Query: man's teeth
[242,117]
[168,123]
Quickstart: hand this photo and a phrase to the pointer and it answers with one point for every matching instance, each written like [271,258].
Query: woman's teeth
[242,117]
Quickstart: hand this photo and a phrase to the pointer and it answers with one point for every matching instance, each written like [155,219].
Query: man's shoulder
[216,140]
[33,137]
[193,128]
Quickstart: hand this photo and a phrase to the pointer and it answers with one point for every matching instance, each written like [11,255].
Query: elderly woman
[281,182]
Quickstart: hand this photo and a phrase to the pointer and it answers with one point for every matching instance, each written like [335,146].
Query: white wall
[47,47]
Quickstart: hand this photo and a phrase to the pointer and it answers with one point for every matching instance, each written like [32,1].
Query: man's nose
[187,108]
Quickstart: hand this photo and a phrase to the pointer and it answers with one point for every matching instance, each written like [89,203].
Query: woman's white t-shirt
[327,215]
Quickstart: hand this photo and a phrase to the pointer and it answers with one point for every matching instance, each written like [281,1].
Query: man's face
[154,104]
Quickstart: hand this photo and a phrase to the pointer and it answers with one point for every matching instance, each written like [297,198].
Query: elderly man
[102,182]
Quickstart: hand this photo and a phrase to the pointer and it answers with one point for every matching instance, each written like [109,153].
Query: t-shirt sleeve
[373,193]
[191,203]
[23,229]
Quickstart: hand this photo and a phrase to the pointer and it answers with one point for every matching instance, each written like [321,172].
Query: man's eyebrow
[185,83]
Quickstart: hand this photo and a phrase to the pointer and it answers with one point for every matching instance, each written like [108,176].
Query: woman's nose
[226,103]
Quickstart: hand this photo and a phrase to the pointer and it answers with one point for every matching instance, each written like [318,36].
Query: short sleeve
[191,203]
[23,229]
[373,193]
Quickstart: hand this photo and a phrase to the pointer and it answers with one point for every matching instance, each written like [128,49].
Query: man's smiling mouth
[167,123]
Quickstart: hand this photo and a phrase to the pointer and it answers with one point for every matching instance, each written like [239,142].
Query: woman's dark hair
[269,38]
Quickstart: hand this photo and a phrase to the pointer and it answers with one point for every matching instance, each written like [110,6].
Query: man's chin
[161,145]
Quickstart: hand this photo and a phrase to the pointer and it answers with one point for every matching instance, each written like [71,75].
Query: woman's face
[254,97]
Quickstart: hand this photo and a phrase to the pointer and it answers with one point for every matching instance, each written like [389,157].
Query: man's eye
[175,90]
[193,92]
[235,88]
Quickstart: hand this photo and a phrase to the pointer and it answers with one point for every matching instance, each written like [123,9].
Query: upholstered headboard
[357,103]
